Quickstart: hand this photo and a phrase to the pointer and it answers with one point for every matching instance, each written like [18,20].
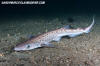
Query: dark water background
[50,9]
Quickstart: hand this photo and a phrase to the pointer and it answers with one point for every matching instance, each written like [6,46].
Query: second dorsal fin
[68,27]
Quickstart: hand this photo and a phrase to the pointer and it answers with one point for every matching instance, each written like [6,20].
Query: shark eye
[28,46]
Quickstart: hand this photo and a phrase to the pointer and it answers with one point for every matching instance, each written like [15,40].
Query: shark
[45,39]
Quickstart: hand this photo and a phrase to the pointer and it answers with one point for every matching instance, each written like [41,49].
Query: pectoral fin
[57,39]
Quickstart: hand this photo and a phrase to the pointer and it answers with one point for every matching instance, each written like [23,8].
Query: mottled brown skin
[54,35]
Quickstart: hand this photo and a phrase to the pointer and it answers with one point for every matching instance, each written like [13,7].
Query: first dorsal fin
[31,36]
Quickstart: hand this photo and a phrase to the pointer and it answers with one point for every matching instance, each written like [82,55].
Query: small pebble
[8,35]
[90,49]
[1,54]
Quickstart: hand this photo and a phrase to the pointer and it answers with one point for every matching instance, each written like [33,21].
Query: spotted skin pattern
[55,35]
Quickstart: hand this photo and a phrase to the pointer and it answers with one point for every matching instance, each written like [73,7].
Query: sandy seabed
[83,50]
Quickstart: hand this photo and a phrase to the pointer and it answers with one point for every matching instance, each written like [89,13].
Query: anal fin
[73,35]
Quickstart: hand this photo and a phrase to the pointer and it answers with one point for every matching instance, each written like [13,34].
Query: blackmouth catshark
[55,35]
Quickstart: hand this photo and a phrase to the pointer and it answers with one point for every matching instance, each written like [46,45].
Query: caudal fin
[87,30]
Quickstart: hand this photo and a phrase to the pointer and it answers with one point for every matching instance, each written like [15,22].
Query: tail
[87,30]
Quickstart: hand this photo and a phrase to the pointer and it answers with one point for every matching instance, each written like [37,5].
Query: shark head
[26,47]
